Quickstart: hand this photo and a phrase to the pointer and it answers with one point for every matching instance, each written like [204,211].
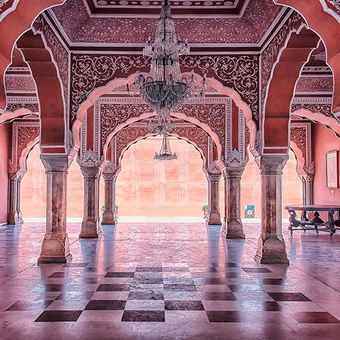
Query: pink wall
[146,187]
[324,141]
[4,140]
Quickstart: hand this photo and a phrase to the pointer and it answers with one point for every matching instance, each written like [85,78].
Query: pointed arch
[286,72]
[328,28]
[14,24]
[52,108]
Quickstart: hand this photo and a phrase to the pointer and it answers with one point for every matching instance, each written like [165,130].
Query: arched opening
[33,189]
[151,188]
[251,186]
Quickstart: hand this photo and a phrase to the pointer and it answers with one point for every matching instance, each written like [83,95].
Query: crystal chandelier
[165,88]
[165,153]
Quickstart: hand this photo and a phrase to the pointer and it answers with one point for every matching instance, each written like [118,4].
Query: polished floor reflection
[168,281]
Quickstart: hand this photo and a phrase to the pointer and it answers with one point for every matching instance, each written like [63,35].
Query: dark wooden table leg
[292,220]
[317,221]
[330,223]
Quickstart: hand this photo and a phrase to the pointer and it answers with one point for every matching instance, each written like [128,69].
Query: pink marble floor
[168,281]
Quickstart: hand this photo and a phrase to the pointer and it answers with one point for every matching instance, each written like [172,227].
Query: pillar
[110,177]
[308,187]
[271,246]
[90,227]
[14,215]
[214,175]
[233,228]
[55,247]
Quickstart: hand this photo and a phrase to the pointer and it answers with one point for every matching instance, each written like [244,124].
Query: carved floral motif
[89,159]
[33,107]
[236,159]
[237,72]
[114,114]
[325,109]
[23,133]
[250,28]
[314,84]
[90,72]
[298,136]
[22,83]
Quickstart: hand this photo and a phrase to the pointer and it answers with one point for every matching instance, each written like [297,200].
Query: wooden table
[316,223]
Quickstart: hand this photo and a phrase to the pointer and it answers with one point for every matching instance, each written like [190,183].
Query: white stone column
[214,175]
[14,215]
[55,247]
[90,168]
[308,189]
[234,227]
[90,227]
[271,245]
[110,177]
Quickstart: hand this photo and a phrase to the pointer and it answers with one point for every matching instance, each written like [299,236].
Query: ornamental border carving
[301,135]
[239,72]
[30,131]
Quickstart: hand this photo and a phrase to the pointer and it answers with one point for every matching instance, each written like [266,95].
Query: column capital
[56,163]
[110,171]
[214,172]
[273,164]
[234,172]
[89,159]
[90,171]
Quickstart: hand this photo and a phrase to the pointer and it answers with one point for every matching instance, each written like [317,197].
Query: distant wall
[324,141]
[146,187]
[4,141]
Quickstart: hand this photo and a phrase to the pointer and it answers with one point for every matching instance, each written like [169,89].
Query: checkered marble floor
[169,281]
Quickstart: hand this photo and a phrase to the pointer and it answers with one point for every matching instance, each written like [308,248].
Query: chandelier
[165,88]
[165,152]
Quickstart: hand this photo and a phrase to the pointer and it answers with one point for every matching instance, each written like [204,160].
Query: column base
[271,251]
[90,229]
[234,230]
[55,249]
[109,218]
[214,219]
[14,219]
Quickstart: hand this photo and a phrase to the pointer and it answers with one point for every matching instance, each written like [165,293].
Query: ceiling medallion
[165,88]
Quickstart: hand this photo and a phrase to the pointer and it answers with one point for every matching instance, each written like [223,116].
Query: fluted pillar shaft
[109,214]
[14,215]
[271,245]
[55,247]
[234,227]
[90,227]
[308,188]
[214,216]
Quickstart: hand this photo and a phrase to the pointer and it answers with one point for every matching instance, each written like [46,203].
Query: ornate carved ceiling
[200,22]
[180,8]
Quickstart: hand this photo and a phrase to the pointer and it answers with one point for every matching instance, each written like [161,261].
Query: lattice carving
[237,72]
[90,72]
[325,109]
[22,134]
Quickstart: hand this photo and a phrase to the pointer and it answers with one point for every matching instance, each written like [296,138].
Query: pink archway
[328,28]
[45,75]
[294,54]
[320,118]
[194,121]
[130,80]
[14,24]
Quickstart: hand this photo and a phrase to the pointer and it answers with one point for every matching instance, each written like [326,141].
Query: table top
[323,207]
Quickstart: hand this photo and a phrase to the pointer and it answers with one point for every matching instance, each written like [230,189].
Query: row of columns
[55,247]
[271,246]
